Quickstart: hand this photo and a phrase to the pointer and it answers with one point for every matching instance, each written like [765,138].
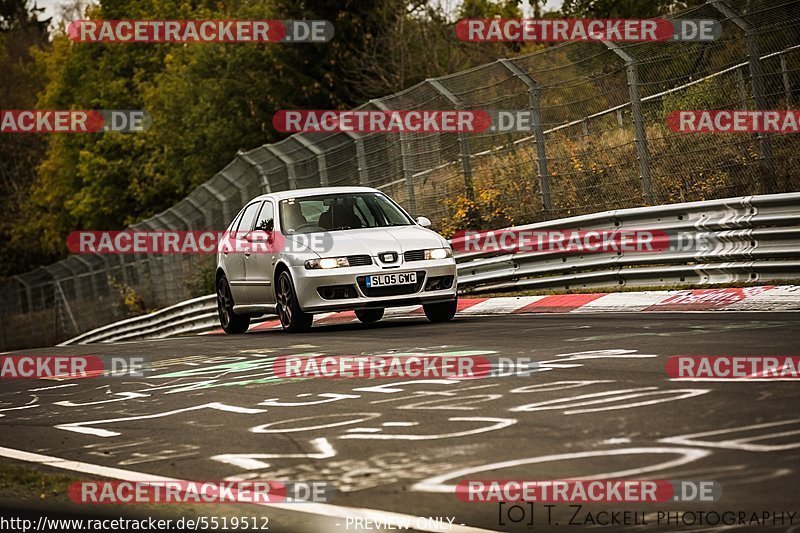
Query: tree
[624,8]
[210,100]
[21,30]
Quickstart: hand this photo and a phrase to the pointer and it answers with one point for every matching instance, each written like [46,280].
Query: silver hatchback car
[299,252]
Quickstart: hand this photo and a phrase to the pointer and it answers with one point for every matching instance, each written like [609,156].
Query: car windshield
[333,212]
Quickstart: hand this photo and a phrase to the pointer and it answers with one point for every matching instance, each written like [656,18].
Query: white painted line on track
[326,510]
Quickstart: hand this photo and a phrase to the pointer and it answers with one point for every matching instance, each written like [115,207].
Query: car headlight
[327,262]
[438,253]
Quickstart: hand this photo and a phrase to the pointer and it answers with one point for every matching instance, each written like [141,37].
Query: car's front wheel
[293,319]
[368,316]
[441,312]
[231,322]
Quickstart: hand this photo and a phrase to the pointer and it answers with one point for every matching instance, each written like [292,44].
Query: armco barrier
[758,239]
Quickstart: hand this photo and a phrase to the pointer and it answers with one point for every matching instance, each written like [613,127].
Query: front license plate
[386,280]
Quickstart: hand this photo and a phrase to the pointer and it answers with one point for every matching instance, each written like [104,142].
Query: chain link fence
[599,141]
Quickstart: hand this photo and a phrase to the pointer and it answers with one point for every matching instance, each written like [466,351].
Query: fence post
[208,220]
[463,141]
[286,160]
[639,134]
[408,173]
[155,267]
[757,84]
[742,88]
[226,214]
[322,165]
[89,271]
[538,131]
[265,187]
[787,86]
[29,300]
[361,158]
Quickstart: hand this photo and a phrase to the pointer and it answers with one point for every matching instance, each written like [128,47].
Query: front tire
[293,319]
[368,316]
[441,312]
[231,323]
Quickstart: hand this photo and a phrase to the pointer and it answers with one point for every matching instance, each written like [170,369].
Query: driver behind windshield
[339,216]
[292,216]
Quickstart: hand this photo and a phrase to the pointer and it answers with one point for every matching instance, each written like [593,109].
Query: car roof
[315,191]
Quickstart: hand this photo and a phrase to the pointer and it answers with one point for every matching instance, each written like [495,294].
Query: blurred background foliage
[207,100]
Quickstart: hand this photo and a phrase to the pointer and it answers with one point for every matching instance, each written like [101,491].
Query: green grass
[24,483]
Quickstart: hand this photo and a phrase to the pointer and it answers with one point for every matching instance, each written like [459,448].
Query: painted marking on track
[252,461]
[584,400]
[325,510]
[359,417]
[29,406]
[558,386]
[329,397]
[687,455]
[83,427]
[53,387]
[122,397]
[495,423]
[463,403]
[743,443]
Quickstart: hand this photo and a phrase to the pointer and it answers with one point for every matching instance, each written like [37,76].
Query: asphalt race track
[599,405]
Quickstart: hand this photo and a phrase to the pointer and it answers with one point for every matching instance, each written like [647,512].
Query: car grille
[414,255]
[359,260]
[393,290]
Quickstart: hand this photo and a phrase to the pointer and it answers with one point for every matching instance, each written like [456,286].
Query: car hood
[371,241]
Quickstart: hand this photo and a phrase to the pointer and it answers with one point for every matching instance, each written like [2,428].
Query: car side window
[248,217]
[266,218]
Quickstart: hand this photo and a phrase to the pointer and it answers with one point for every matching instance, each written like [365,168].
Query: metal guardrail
[757,239]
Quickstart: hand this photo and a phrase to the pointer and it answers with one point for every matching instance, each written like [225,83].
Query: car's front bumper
[307,283]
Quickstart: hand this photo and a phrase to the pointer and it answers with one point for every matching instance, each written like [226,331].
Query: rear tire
[293,319]
[368,316]
[441,312]
[231,323]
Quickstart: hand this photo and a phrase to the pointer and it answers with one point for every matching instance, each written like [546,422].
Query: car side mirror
[424,222]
